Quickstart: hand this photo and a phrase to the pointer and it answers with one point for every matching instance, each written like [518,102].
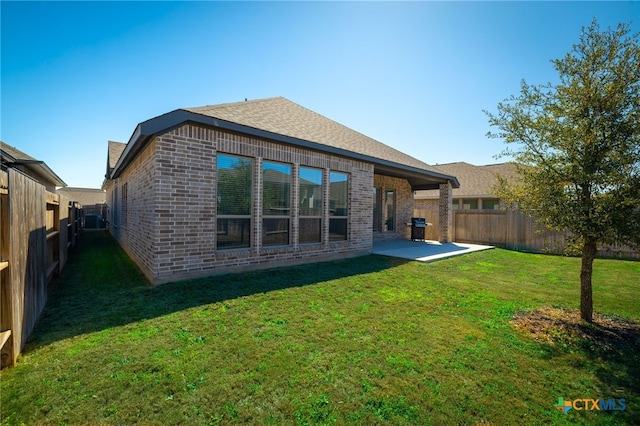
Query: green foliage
[578,144]
[578,140]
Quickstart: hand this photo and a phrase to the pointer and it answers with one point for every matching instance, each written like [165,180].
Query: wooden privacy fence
[510,229]
[37,229]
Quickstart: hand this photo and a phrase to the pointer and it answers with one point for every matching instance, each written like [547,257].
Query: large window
[115,214]
[338,205]
[276,203]
[310,221]
[124,194]
[234,201]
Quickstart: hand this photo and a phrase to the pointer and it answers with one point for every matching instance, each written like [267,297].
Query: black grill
[418,226]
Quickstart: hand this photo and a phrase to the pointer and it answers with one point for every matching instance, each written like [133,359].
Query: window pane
[491,204]
[276,189]
[376,209]
[310,192]
[125,208]
[234,185]
[116,213]
[275,231]
[337,229]
[390,209]
[310,230]
[233,233]
[470,204]
[339,194]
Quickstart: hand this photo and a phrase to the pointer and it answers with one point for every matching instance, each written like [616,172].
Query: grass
[372,340]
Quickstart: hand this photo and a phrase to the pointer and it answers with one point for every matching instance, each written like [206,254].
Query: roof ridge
[453,163]
[228,104]
[78,188]
[495,164]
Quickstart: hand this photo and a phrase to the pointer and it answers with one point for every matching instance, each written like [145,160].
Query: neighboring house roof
[475,181]
[286,122]
[85,196]
[39,170]
[113,155]
[508,170]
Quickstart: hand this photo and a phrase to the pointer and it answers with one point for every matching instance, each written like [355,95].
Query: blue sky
[413,75]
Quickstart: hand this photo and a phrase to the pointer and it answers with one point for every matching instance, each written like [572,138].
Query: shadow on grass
[613,347]
[611,344]
[102,288]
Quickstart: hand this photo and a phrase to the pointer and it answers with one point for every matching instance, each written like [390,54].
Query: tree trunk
[589,251]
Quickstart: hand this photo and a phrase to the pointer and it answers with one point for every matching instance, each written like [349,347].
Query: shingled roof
[286,122]
[13,157]
[85,196]
[281,116]
[113,155]
[475,181]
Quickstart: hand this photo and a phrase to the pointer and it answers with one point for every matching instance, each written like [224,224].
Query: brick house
[263,183]
[84,196]
[474,195]
[476,190]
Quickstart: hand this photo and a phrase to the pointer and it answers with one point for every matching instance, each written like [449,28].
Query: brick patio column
[445,207]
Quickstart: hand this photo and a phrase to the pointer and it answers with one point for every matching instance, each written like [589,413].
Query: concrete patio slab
[424,251]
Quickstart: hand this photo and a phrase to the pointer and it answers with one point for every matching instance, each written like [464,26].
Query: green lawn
[362,341]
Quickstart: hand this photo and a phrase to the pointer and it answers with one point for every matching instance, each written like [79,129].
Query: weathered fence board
[510,229]
[34,246]
[27,255]
[485,227]
[6,318]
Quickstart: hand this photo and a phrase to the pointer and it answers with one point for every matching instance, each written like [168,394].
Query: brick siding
[427,204]
[170,229]
[404,207]
[137,232]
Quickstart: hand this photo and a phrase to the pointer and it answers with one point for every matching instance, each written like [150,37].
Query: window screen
[233,201]
[377,208]
[276,203]
[234,185]
[338,205]
[310,198]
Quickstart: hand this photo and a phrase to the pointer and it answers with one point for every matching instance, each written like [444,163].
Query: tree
[578,143]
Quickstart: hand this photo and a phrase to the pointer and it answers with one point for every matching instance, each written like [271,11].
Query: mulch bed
[559,325]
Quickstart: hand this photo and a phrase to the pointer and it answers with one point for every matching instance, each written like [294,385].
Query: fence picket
[34,244]
[510,229]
